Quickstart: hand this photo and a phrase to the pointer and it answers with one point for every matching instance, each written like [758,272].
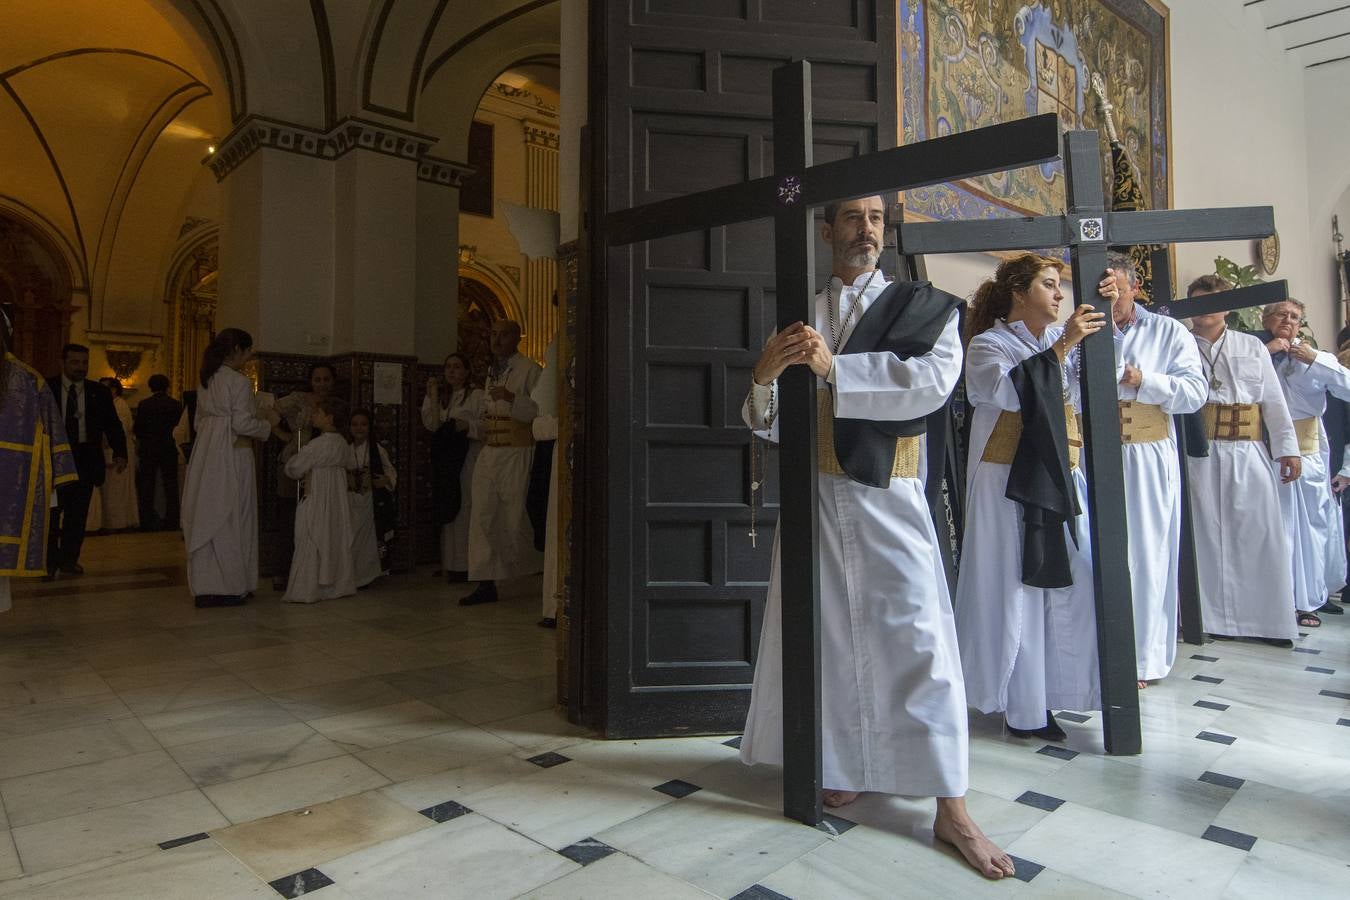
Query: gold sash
[907,449]
[1142,423]
[1232,421]
[504,431]
[1309,435]
[243,442]
[1003,440]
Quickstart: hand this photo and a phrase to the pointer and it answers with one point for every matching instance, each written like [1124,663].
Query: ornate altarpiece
[36,289]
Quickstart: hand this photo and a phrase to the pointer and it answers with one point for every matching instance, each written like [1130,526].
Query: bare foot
[1142,684]
[955,826]
[836,799]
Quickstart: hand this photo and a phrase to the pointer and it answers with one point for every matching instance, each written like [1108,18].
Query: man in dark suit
[90,416]
[156,417]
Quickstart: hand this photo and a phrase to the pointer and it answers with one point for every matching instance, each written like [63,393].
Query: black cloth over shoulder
[1039,479]
[449,451]
[907,320]
[536,496]
[383,499]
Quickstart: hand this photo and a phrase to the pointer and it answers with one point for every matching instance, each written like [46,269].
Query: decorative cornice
[541,134]
[445,172]
[256,133]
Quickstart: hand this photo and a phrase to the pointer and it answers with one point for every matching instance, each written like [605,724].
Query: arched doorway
[479,307]
[35,283]
[191,296]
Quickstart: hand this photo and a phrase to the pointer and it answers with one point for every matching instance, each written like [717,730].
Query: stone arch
[36,281]
[190,293]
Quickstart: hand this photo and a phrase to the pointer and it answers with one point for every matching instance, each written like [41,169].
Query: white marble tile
[1052,885]
[1008,770]
[1319,774]
[617,875]
[214,721]
[1277,870]
[1175,751]
[469,857]
[338,697]
[1124,855]
[436,753]
[253,753]
[444,679]
[201,869]
[270,657]
[521,664]
[1140,793]
[73,746]
[52,715]
[656,760]
[293,788]
[176,671]
[9,857]
[382,725]
[78,789]
[294,841]
[715,842]
[867,863]
[63,687]
[495,703]
[1294,732]
[108,832]
[563,804]
[539,731]
[300,675]
[1272,813]
[183,695]
[454,784]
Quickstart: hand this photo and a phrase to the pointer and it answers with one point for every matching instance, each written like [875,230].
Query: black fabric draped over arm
[1039,479]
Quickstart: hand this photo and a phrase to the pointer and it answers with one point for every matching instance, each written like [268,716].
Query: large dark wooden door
[672,588]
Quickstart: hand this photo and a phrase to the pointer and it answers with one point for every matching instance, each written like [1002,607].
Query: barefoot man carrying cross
[893,701]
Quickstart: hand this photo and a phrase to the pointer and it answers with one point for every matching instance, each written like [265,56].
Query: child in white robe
[366,539]
[321,568]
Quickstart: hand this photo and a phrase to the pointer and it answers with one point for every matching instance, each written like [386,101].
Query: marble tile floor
[397,745]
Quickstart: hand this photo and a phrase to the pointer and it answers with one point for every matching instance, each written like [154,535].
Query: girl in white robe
[220,497]
[459,405]
[366,540]
[321,568]
[1024,650]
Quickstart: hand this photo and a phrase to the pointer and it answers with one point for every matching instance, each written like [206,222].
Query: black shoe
[50,576]
[486,592]
[1050,731]
[1332,609]
[455,576]
[1284,643]
[1220,637]
[547,622]
[210,601]
[72,569]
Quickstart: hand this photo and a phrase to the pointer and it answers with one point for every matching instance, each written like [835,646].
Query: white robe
[468,408]
[1240,537]
[113,505]
[321,568]
[366,565]
[220,495]
[1164,351]
[501,538]
[893,706]
[1024,650]
[1312,514]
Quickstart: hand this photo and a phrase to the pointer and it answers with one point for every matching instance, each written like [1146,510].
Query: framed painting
[969,63]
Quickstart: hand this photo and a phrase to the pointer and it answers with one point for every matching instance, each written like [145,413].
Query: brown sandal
[1309,620]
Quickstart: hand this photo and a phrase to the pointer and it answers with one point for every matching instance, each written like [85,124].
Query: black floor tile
[1203,658]
[760,892]
[549,760]
[1040,801]
[444,812]
[300,883]
[833,825]
[178,842]
[1216,738]
[677,788]
[1227,781]
[1339,695]
[587,851]
[734,742]
[1057,752]
[1072,717]
[1306,650]
[1025,869]
[1210,704]
[1207,679]
[1343,721]
[1229,838]
[1319,670]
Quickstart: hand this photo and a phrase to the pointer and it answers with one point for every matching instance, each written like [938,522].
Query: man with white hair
[1160,375]
[1311,515]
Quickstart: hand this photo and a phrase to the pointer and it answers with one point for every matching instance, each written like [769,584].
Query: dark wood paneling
[680,102]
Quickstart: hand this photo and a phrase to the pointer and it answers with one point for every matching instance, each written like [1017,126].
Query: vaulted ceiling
[1317,32]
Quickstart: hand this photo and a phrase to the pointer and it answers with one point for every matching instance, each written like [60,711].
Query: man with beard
[1311,516]
[893,702]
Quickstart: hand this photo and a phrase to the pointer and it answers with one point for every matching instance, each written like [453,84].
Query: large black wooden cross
[1188,580]
[789,196]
